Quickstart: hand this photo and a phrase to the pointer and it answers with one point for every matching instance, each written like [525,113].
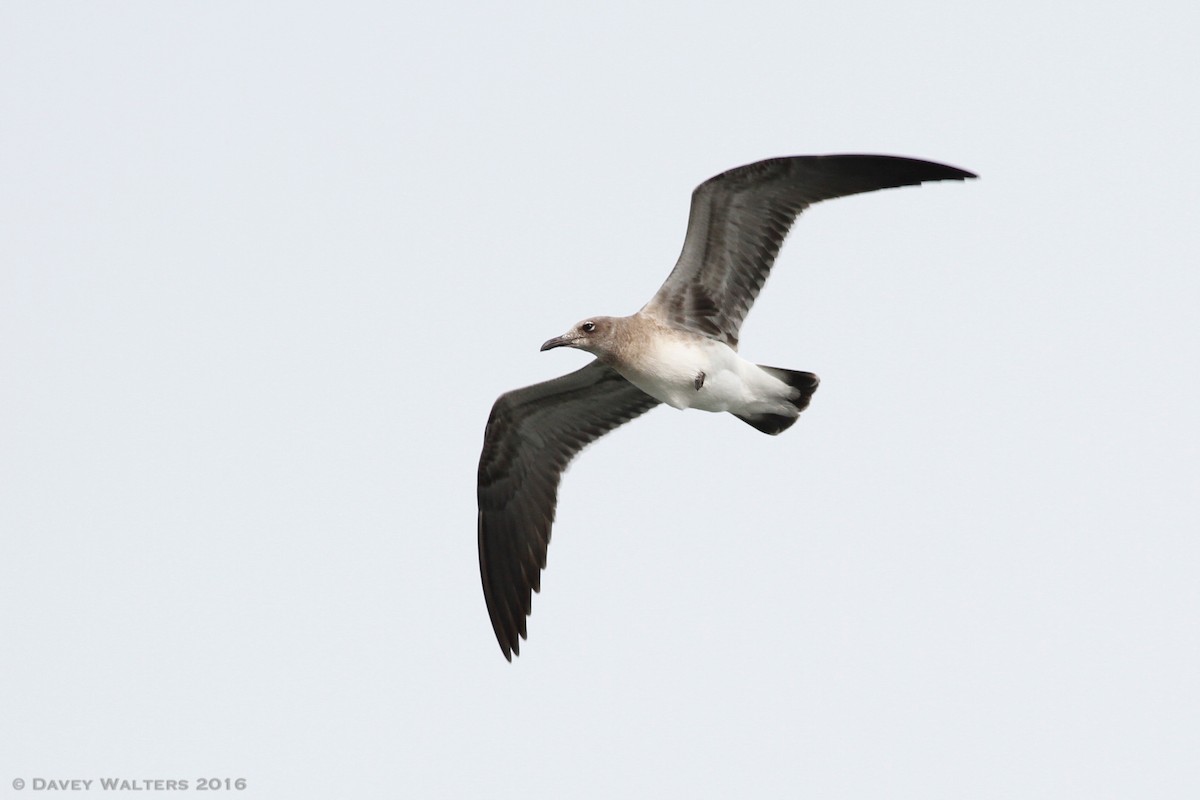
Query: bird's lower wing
[532,434]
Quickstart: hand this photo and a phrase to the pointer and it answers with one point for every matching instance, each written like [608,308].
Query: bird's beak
[557,341]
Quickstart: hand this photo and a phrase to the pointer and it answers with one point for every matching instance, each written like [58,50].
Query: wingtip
[940,171]
[923,170]
[511,650]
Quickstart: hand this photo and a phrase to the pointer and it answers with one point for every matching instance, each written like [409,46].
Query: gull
[679,349]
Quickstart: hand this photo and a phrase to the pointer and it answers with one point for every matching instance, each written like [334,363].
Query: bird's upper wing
[739,219]
[531,436]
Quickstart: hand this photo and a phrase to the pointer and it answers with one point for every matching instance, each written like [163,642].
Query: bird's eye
[588,327]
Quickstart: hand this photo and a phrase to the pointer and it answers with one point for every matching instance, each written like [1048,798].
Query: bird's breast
[703,374]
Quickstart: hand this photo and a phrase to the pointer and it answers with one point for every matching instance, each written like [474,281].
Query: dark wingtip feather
[885,171]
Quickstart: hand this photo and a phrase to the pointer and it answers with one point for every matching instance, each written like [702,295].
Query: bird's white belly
[671,371]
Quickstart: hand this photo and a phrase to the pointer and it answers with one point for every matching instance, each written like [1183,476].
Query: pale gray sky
[265,267]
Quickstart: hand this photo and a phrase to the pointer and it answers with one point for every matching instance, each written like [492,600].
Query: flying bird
[679,349]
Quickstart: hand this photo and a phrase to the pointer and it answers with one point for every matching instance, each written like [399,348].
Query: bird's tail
[805,383]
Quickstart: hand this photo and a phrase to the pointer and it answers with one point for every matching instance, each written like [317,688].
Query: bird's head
[596,335]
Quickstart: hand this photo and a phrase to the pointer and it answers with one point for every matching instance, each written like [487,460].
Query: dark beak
[557,341]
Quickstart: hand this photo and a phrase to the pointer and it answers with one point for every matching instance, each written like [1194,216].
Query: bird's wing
[739,219]
[531,436]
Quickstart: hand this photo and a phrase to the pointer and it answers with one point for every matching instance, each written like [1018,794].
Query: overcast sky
[265,267]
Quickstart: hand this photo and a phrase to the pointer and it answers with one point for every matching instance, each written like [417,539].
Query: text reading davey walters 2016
[130,784]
